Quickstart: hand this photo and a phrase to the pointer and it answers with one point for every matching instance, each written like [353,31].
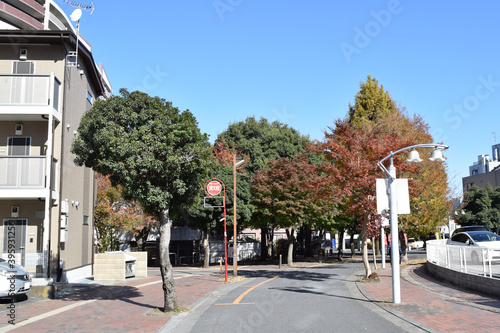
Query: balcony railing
[17,89]
[22,172]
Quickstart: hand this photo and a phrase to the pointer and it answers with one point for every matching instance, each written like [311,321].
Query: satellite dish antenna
[76,15]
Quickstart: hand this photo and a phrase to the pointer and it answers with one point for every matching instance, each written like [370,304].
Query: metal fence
[466,259]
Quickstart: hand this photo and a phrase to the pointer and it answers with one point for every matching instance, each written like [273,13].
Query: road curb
[411,324]
[183,322]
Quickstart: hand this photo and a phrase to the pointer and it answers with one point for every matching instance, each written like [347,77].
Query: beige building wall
[77,184]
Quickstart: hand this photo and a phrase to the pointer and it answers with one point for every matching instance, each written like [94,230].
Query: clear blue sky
[301,62]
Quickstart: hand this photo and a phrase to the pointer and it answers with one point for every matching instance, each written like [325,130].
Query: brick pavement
[433,304]
[130,306]
[124,307]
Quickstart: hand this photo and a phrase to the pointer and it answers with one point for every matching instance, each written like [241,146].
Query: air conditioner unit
[23,54]
[19,129]
[64,207]
[14,211]
[64,236]
[64,221]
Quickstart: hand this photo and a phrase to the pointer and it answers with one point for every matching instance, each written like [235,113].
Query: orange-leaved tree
[114,215]
[283,196]
[350,165]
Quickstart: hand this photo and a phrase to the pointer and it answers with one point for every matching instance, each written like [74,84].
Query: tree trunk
[353,245]
[364,245]
[402,241]
[263,244]
[289,258]
[206,248]
[321,252]
[169,295]
[340,245]
[374,253]
[269,243]
[307,241]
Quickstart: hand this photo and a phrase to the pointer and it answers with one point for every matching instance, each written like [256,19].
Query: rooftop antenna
[80,6]
[72,58]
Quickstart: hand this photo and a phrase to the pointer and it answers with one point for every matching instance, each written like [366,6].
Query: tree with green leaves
[481,207]
[155,152]
[207,218]
[371,103]
[262,141]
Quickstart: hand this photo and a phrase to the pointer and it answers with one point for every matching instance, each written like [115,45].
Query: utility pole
[235,242]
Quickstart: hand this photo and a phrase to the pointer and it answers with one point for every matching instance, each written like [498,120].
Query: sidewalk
[130,306]
[434,305]
[125,307]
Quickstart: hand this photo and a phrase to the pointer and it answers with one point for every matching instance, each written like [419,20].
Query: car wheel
[475,257]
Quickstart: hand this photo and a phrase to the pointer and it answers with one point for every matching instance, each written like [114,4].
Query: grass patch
[158,312]
[232,279]
[373,277]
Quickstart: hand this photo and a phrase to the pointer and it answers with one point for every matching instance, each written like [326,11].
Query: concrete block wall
[141,263]
[470,281]
[111,265]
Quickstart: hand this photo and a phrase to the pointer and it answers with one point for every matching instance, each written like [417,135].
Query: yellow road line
[238,300]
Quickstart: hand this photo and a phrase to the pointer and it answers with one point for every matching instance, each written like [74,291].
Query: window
[18,146]
[85,220]
[89,97]
[23,67]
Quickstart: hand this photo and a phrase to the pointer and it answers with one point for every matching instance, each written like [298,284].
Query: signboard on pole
[213,188]
[402,196]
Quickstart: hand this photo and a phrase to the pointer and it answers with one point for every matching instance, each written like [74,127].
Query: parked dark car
[468,228]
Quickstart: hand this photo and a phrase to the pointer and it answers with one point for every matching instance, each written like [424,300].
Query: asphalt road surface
[321,299]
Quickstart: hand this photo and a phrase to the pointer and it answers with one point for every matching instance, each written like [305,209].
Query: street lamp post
[235,242]
[437,155]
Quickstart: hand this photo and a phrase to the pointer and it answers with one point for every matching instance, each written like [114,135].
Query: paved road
[306,300]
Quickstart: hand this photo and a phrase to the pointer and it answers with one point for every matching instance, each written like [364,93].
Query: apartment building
[485,171]
[48,79]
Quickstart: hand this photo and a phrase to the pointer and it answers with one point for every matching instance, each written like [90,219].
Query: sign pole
[213,188]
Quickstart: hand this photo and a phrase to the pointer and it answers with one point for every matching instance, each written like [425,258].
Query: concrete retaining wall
[487,285]
[111,265]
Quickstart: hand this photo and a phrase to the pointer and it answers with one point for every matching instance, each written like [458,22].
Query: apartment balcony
[25,177]
[29,97]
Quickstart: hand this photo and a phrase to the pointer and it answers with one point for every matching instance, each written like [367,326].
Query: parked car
[415,243]
[484,239]
[14,279]
[468,228]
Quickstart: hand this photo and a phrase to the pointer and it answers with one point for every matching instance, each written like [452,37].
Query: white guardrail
[467,259]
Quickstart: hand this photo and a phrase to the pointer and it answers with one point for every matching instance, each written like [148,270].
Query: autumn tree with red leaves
[353,147]
[351,156]
[114,215]
[283,195]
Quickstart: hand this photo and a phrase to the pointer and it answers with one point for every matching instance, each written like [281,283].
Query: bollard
[280,261]
[220,264]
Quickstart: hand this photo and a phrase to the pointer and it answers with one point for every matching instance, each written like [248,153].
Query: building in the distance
[48,79]
[485,171]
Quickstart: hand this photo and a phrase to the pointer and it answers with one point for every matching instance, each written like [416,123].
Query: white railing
[30,259]
[467,259]
[16,89]
[22,172]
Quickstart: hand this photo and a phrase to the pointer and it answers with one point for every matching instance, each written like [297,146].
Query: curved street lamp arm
[422,145]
